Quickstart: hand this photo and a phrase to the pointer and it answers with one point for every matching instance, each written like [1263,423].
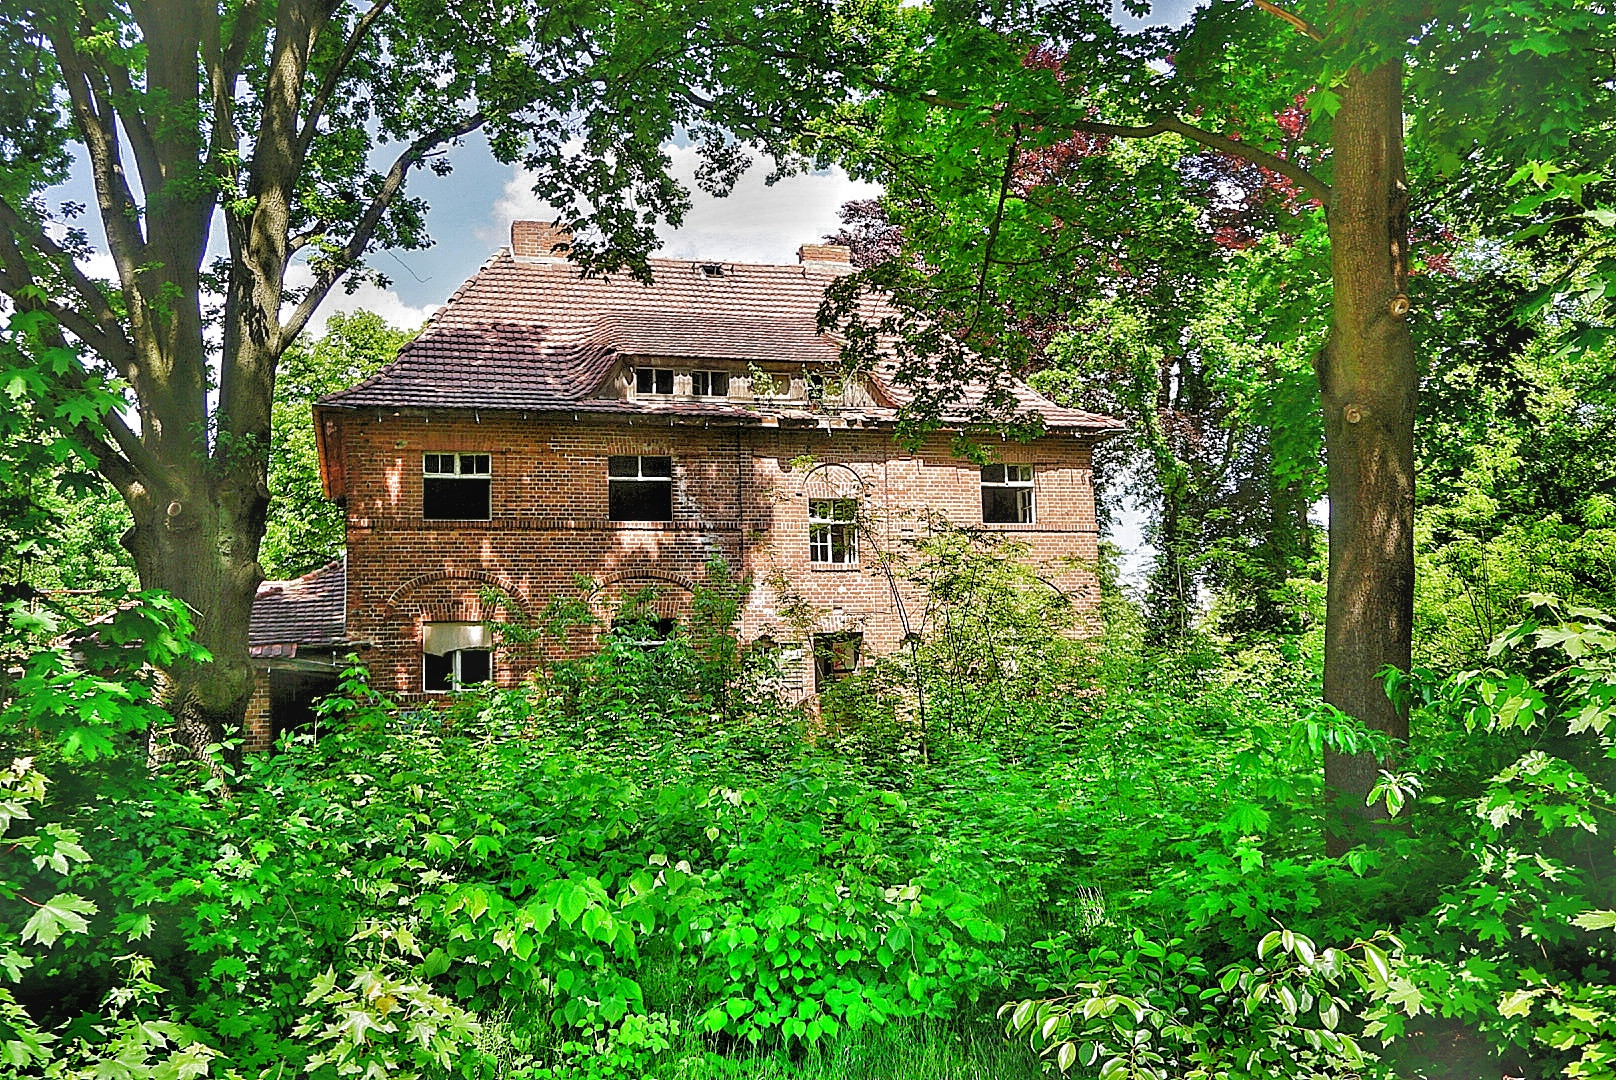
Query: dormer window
[654,380]
[709,383]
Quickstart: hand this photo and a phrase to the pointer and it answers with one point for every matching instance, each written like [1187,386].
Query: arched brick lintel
[641,573]
[834,480]
[512,593]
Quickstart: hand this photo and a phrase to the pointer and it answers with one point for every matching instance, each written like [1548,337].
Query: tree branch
[119,212]
[141,144]
[1301,24]
[365,230]
[998,221]
[1257,156]
[103,322]
[234,51]
[328,86]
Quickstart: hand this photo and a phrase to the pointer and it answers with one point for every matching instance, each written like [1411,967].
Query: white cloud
[755,223]
[384,302]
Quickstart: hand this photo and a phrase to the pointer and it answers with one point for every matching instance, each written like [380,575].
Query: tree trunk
[1368,382]
[201,545]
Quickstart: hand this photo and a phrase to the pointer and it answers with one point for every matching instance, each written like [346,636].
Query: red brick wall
[740,494]
[258,730]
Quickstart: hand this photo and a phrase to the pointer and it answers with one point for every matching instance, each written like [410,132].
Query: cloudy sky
[470,212]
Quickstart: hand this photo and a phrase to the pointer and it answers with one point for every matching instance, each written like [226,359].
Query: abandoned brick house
[546,428]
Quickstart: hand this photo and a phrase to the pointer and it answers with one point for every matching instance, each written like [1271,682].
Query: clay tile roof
[535,335]
[305,611]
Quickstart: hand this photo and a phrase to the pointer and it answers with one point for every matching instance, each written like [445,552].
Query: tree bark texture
[1368,381]
[163,146]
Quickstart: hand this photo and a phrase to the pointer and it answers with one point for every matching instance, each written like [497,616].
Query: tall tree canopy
[275,133]
[1010,138]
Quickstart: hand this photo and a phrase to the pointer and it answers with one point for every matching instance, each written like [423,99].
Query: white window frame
[639,477]
[822,548]
[460,470]
[655,373]
[1020,479]
[701,383]
[462,465]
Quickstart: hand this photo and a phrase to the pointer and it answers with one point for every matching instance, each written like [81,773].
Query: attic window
[709,383]
[455,487]
[713,269]
[649,380]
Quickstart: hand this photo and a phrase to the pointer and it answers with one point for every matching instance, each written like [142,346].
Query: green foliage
[56,515]
[1155,1011]
[83,695]
[127,1041]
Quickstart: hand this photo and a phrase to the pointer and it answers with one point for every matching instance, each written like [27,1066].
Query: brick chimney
[826,256]
[539,239]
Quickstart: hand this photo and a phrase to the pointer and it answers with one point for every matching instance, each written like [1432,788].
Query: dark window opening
[836,656]
[292,698]
[641,488]
[644,630]
[653,380]
[457,669]
[709,383]
[456,487]
[1007,495]
[833,531]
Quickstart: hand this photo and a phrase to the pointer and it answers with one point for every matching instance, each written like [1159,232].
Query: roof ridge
[339,562]
[488,264]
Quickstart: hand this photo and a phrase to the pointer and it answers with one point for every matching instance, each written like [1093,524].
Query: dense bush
[643,863]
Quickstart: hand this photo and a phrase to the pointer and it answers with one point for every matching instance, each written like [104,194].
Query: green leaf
[1596,920]
[1065,1056]
[572,903]
[61,914]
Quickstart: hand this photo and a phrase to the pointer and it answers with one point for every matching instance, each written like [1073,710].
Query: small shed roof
[309,611]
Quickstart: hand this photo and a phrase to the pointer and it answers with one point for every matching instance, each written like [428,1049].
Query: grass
[901,1050]
[919,1050]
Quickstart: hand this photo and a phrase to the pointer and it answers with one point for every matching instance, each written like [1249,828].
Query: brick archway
[674,603]
[833,480]
[464,609]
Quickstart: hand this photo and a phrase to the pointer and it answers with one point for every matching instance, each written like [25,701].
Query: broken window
[1007,494]
[709,383]
[833,531]
[643,629]
[454,655]
[653,380]
[836,656]
[456,487]
[641,488]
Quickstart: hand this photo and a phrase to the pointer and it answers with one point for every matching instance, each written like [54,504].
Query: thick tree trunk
[202,546]
[1368,379]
